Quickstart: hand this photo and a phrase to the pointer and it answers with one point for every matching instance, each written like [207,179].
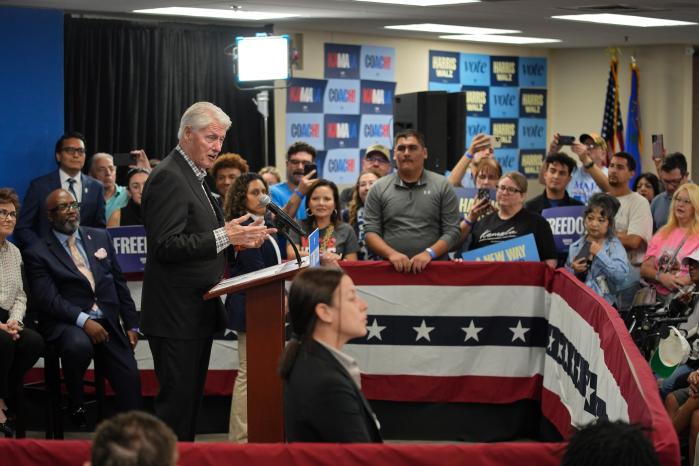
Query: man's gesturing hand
[248,236]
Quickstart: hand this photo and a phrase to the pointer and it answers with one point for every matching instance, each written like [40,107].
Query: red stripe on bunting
[459,389]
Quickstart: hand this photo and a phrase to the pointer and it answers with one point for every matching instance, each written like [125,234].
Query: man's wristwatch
[588,165]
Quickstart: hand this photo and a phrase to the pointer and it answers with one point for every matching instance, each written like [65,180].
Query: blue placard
[506,130]
[508,159]
[377,63]
[467,197]
[567,225]
[532,133]
[314,248]
[305,95]
[477,101]
[130,246]
[342,61]
[377,97]
[532,71]
[444,67]
[376,129]
[532,103]
[522,248]
[475,69]
[504,102]
[341,131]
[341,96]
[530,162]
[504,71]
[306,127]
[341,166]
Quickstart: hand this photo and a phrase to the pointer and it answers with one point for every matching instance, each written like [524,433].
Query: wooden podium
[264,314]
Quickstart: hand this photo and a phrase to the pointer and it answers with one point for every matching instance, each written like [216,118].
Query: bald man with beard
[81,294]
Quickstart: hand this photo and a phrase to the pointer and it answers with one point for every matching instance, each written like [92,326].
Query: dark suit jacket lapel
[55,180]
[329,356]
[90,246]
[192,180]
[62,255]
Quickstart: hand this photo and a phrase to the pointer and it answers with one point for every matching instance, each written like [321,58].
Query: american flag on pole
[612,124]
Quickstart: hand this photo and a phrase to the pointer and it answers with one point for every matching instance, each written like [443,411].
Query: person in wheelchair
[682,403]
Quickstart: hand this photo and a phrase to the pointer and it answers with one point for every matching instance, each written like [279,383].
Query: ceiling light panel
[421,2]
[216,13]
[450,29]
[495,39]
[623,20]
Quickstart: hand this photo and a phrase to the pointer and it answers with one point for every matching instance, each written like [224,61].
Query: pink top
[662,249]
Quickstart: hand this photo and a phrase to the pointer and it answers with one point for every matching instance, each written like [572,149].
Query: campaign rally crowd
[640,238]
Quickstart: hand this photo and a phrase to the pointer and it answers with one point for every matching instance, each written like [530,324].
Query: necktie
[80,262]
[71,182]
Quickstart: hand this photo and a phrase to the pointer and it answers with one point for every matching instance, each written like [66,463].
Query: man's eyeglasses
[65,207]
[674,182]
[509,189]
[5,214]
[377,159]
[74,150]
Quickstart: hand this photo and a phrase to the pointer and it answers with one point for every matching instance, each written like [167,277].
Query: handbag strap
[677,251]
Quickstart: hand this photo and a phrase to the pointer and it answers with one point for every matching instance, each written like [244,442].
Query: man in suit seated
[32,223]
[80,293]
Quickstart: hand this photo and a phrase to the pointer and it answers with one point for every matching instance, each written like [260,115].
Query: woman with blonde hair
[354,214]
[662,266]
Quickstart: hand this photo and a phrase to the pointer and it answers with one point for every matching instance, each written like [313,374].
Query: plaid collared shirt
[222,241]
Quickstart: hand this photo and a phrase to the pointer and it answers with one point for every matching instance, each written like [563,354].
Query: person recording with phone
[598,258]
[481,148]
[488,174]
[291,194]
[582,185]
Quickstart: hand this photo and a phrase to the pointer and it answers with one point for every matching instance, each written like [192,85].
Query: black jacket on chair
[323,404]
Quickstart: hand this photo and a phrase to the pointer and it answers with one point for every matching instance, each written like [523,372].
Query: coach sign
[130,246]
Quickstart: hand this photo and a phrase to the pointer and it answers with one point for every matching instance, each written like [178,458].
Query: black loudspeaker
[456,127]
[426,113]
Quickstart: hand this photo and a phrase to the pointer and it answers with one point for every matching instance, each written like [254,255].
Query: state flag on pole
[634,142]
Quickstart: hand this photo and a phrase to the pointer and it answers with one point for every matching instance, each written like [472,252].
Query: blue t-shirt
[281,193]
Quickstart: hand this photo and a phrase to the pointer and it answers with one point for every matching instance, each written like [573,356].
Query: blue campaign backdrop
[347,111]
[31,114]
[505,97]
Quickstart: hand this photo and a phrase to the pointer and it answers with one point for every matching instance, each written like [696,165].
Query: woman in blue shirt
[598,258]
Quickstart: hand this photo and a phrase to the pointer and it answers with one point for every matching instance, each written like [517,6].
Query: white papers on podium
[262,273]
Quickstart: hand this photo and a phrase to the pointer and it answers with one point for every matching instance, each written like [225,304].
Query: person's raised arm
[591,167]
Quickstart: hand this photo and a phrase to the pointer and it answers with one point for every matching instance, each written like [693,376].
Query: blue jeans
[668,385]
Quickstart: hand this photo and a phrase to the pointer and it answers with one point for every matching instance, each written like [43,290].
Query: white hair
[200,115]
[99,156]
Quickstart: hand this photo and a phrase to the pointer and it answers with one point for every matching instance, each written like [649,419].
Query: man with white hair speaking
[187,243]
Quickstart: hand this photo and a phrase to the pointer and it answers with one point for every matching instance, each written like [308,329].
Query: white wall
[577,80]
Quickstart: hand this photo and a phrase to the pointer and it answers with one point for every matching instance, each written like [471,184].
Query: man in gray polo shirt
[411,215]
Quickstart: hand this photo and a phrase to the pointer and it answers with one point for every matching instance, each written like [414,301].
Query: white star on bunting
[375,330]
[423,331]
[518,332]
[471,331]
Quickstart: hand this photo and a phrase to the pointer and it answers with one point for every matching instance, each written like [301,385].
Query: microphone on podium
[282,217]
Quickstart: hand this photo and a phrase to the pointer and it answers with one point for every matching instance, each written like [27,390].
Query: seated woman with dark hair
[337,239]
[130,214]
[242,198]
[19,347]
[323,401]
[598,258]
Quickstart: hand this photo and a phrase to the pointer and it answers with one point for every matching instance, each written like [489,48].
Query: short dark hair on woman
[608,206]
[651,178]
[9,196]
[335,216]
[237,194]
[310,287]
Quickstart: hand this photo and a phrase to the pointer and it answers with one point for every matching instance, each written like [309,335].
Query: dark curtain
[127,84]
